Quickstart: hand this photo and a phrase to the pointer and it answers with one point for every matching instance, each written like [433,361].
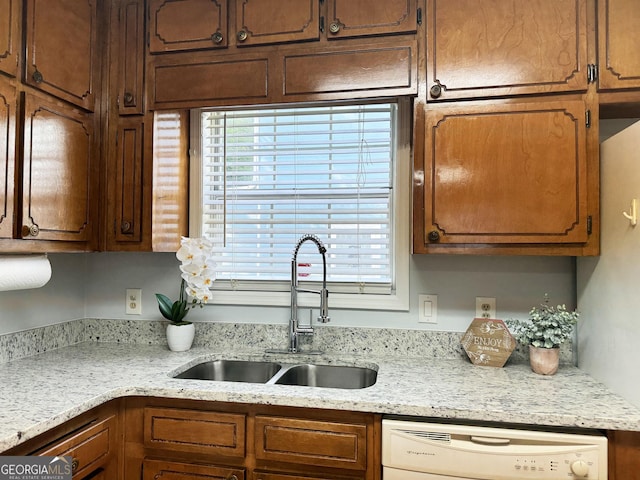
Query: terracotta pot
[180,337]
[544,360]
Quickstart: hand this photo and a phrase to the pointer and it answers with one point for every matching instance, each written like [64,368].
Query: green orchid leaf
[165,305]
[179,311]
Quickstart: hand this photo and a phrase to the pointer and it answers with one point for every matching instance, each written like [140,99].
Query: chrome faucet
[295,329]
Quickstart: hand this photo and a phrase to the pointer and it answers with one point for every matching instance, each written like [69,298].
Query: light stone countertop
[43,391]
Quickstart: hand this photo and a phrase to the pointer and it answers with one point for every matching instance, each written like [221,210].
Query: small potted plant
[548,327]
[197,277]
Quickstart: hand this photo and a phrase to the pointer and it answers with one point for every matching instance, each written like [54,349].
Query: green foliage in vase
[547,326]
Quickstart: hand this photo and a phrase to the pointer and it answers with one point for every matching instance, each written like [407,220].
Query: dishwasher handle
[492,441]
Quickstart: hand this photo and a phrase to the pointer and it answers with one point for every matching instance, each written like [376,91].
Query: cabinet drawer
[89,447]
[155,469]
[257,475]
[195,431]
[190,84]
[311,442]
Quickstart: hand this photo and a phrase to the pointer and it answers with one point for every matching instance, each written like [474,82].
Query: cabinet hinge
[321,24]
[592,73]
[419,16]
[587,119]
[589,224]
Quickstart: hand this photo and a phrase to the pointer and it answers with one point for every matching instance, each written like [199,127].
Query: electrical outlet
[133,302]
[428,308]
[485,307]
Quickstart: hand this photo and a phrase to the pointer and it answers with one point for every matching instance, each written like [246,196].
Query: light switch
[428,308]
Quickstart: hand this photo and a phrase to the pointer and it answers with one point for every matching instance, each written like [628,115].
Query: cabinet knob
[217,38]
[30,230]
[37,77]
[233,476]
[242,35]
[433,236]
[128,98]
[435,91]
[75,463]
[126,227]
[334,27]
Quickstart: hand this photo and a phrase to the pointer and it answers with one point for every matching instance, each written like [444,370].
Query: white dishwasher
[413,450]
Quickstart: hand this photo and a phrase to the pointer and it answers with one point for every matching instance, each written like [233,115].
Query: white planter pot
[180,337]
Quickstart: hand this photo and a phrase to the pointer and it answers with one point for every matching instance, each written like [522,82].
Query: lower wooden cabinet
[624,455]
[179,439]
[167,470]
[91,440]
[311,442]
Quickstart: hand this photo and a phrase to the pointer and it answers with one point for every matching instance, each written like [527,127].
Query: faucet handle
[324,306]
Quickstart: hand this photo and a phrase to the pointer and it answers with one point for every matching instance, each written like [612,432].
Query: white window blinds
[271,175]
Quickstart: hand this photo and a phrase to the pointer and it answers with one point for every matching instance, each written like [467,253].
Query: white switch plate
[133,302]
[485,307]
[428,308]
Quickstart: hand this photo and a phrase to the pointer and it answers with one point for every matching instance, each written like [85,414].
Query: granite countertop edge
[46,390]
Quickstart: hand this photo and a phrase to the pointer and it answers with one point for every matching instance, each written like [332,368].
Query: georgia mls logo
[35,468]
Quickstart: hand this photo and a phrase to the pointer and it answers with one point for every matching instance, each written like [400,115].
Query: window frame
[277,293]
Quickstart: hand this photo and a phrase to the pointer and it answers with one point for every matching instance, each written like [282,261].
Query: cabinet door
[483,48]
[61,49]
[260,22]
[187,25]
[618,44]
[90,448]
[131,57]
[624,454]
[167,470]
[505,174]
[9,35]
[195,431]
[129,186]
[8,106]
[58,143]
[355,18]
[311,442]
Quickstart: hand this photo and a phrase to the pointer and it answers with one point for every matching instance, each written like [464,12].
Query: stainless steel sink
[263,371]
[328,376]
[232,371]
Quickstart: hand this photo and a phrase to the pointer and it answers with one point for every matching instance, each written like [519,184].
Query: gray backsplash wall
[518,283]
[93,286]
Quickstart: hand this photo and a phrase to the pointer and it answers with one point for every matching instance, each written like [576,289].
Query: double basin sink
[267,372]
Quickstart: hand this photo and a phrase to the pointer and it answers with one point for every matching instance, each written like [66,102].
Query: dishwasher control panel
[424,451]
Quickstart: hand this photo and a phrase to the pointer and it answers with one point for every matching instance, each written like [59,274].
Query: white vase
[544,361]
[180,337]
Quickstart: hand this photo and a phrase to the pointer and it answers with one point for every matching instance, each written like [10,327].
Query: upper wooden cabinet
[57,171]
[61,50]
[10,11]
[503,174]
[260,22]
[618,44]
[8,109]
[354,18]
[129,31]
[176,25]
[181,25]
[487,48]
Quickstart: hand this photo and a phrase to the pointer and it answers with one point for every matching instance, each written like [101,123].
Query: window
[261,178]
